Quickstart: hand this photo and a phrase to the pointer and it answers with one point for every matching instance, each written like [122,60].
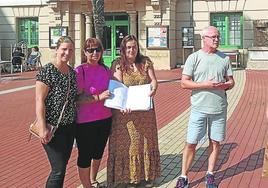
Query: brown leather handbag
[34,129]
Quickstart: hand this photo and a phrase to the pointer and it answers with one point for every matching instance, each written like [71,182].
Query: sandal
[95,184]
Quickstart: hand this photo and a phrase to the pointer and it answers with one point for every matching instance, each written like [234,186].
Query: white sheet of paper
[119,95]
[138,97]
[135,97]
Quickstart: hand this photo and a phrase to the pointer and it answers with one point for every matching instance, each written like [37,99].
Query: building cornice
[11,3]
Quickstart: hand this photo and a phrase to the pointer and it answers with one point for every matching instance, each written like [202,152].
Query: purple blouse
[92,79]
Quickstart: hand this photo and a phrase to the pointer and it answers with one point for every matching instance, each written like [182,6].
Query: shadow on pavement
[250,163]
[171,164]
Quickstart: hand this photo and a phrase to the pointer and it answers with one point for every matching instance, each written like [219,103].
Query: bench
[234,56]
[3,64]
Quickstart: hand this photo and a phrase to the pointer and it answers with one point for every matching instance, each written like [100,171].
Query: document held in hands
[132,97]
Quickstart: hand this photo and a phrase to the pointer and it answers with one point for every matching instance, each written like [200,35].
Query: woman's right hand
[105,95]
[45,135]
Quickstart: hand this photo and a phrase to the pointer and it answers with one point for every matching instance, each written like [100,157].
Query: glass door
[107,44]
[114,32]
[120,32]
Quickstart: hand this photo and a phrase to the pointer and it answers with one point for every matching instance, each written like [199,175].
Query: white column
[89,26]
[133,22]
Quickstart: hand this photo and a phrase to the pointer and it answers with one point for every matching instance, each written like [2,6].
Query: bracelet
[98,97]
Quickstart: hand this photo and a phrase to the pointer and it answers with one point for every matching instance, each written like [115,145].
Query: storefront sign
[55,33]
[157,37]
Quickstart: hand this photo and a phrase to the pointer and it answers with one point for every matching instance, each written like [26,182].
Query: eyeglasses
[92,50]
[213,37]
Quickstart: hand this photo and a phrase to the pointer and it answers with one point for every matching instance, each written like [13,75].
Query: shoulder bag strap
[66,101]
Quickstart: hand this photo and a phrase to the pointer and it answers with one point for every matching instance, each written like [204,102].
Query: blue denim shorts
[201,123]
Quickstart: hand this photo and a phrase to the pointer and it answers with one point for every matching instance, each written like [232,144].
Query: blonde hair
[64,39]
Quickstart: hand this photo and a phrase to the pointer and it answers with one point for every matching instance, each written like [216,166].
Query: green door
[28,31]
[114,32]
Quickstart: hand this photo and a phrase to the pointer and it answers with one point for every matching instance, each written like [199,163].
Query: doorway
[116,28]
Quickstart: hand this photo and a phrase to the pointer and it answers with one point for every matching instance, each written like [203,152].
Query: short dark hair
[90,42]
[36,48]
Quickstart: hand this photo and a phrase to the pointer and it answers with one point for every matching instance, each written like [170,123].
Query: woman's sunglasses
[92,50]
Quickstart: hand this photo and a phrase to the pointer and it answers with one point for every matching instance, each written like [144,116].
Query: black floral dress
[58,88]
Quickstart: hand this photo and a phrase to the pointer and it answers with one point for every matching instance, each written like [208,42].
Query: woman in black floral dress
[51,91]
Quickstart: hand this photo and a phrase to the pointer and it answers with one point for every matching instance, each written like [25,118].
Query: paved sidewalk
[172,138]
[24,164]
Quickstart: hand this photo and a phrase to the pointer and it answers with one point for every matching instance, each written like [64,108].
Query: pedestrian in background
[133,145]
[93,118]
[52,83]
[17,57]
[34,58]
[208,73]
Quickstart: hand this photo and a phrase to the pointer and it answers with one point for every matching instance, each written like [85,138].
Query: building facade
[167,30]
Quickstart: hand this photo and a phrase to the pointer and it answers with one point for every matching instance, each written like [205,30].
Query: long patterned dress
[133,145]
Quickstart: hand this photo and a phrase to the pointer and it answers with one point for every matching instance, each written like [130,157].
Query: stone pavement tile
[250,132]
[256,178]
[17,80]
[168,74]
[235,94]
[172,184]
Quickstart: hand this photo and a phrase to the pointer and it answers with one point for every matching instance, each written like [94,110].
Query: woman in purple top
[93,118]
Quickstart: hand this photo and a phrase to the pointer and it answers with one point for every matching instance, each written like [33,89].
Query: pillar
[89,26]
[133,22]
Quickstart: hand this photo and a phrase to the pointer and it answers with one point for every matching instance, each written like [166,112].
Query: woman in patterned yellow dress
[133,145]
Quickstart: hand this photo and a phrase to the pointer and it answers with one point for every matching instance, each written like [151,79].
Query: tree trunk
[98,17]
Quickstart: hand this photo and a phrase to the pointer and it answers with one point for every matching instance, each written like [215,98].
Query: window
[55,33]
[28,31]
[230,26]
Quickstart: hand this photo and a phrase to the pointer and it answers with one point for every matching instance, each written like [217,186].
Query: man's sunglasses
[91,50]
